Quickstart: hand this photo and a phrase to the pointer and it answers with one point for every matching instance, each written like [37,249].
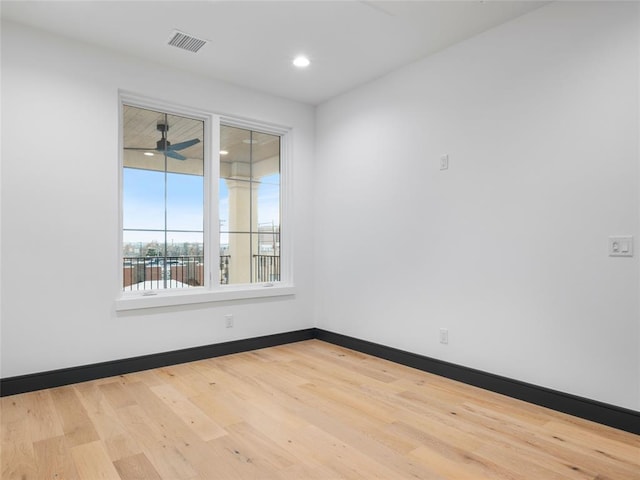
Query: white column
[239,221]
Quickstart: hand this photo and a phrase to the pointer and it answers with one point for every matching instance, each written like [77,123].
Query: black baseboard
[611,415]
[67,376]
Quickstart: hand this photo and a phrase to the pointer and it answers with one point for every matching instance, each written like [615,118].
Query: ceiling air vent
[186,41]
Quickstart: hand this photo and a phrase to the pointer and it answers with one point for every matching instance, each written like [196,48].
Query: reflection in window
[249,206]
[163,200]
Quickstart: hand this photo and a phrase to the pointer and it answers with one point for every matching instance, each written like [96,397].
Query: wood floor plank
[307,410]
[156,444]
[53,459]
[44,422]
[92,461]
[18,457]
[218,405]
[520,466]
[446,467]
[116,394]
[184,378]
[76,424]
[167,426]
[136,467]
[105,420]
[245,458]
[627,446]
[204,426]
[210,460]
[268,451]
[345,458]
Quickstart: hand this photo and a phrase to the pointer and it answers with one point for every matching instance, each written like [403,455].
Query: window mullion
[211,210]
[251,213]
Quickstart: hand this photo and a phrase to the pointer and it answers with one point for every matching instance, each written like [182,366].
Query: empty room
[320,240]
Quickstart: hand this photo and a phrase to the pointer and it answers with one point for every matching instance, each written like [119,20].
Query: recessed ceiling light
[301,61]
[224,152]
[248,141]
[148,154]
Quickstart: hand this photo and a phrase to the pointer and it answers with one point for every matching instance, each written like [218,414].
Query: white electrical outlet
[228,320]
[444,336]
[444,162]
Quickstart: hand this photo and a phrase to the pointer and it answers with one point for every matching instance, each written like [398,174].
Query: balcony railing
[224,269]
[266,268]
[150,273]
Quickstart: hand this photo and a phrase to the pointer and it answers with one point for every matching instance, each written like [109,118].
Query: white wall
[60,208]
[508,248]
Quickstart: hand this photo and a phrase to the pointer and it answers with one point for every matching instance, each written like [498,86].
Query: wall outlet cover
[444,336]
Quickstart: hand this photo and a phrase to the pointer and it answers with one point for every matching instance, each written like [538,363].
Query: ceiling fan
[165,146]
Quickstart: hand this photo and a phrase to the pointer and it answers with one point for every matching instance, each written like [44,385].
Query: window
[249,206]
[163,200]
[192,226]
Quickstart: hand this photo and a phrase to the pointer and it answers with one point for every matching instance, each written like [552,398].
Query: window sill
[193,296]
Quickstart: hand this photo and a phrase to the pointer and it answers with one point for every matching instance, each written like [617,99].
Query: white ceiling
[254,42]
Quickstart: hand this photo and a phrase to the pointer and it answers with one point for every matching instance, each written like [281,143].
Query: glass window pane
[185,202]
[268,205]
[240,205]
[265,156]
[223,205]
[142,253]
[150,263]
[270,179]
[143,199]
[157,141]
[163,200]
[266,255]
[143,243]
[184,145]
[185,244]
[249,205]
[266,242]
[185,259]
[235,153]
[237,249]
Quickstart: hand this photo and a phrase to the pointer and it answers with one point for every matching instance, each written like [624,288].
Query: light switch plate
[444,162]
[621,246]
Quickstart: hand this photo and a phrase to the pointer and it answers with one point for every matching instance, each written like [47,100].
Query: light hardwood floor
[308,410]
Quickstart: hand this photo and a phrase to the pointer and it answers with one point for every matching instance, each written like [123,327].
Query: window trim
[211,291]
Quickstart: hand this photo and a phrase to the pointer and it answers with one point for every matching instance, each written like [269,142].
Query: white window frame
[212,291]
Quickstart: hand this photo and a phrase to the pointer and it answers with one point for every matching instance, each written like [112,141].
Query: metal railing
[266,268]
[224,269]
[149,273]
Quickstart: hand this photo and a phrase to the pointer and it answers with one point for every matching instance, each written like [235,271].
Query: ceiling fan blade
[183,145]
[152,149]
[172,154]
